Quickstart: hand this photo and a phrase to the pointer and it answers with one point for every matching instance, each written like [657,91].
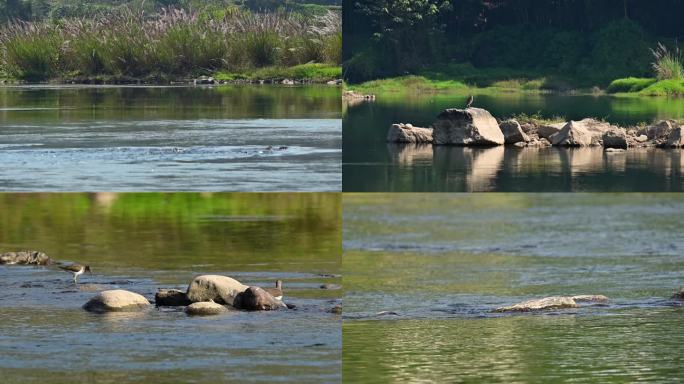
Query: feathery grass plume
[667,65]
[173,42]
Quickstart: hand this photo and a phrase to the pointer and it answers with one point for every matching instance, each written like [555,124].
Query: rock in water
[220,289]
[660,130]
[171,298]
[25,258]
[257,299]
[546,131]
[553,302]
[513,132]
[470,127]
[615,138]
[407,133]
[117,300]
[205,308]
[590,299]
[679,295]
[674,139]
[581,133]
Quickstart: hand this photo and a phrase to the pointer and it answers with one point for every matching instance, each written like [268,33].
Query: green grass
[664,88]
[406,84]
[630,84]
[311,72]
[537,119]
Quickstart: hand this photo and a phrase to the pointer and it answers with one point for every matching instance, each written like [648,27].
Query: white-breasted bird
[76,269]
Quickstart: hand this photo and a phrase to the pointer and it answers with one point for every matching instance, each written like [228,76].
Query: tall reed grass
[667,64]
[173,42]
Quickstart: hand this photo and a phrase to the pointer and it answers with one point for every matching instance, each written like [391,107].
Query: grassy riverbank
[173,44]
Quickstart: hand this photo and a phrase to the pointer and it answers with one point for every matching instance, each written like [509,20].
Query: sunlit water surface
[141,242]
[424,272]
[99,138]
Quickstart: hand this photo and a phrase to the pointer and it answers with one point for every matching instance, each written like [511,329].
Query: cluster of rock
[477,127]
[206,294]
[25,258]
[208,80]
[351,96]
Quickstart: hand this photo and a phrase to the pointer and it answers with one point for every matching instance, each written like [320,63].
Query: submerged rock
[679,295]
[257,299]
[117,300]
[220,289]
[171,298]
[337,310]
[25,258]
[470,126]
[590,299]
[205,308]
[513,132]
[553,302]
[407,133]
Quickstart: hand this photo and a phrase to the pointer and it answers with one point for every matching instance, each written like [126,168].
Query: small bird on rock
[470,101]
[76,269]
[276,292]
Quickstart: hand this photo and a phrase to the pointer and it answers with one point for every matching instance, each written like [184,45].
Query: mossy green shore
[413,84]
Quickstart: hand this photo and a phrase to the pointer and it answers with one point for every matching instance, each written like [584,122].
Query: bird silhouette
[470,101]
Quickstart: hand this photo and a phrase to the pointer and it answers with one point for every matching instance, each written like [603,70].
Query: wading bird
[76,269]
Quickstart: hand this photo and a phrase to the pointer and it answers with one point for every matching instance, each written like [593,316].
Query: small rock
[513,132]
[407,133]
[641,139]
[615,138]
[171,298]
[674,139]
[549,130]
[336,310]
[257,299]
[117,300]
[205,308]
[220,289]
[679,295]
[590,299]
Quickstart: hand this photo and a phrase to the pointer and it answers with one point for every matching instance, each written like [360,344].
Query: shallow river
[141,242]
[99,138]
[423,273]
[370,164]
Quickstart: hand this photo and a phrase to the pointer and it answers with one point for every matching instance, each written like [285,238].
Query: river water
[423,273]
[372,165]
[105,138]
[141,242]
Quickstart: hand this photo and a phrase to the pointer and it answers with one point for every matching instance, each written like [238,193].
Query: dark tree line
[391,37]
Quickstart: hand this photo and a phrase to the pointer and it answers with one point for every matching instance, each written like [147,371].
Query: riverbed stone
[513,132]
[25,258]
[581,133]
[615,138]
[171,298]
[116,300]
[220,289]
[553,302]
[660,130]
[407,133]
[674,139]
[548,130]
[590,299]
[468,127]
[257,299]
[205,308]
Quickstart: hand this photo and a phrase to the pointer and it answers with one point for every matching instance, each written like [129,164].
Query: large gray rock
[615,138]
[25,257]
[679,295]
[220,289]
[513,132]
[171,298]
[205,308]
[674,139]
[471,126]
[660,130]
[581,133]
[547,130]
[553,302]
[117,300]
[407,133]
[257,299]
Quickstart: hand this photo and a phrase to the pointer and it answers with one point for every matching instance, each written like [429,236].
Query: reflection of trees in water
[175,229]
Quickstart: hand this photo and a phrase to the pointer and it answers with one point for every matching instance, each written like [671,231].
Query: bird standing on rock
[76,269]
[470,101]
